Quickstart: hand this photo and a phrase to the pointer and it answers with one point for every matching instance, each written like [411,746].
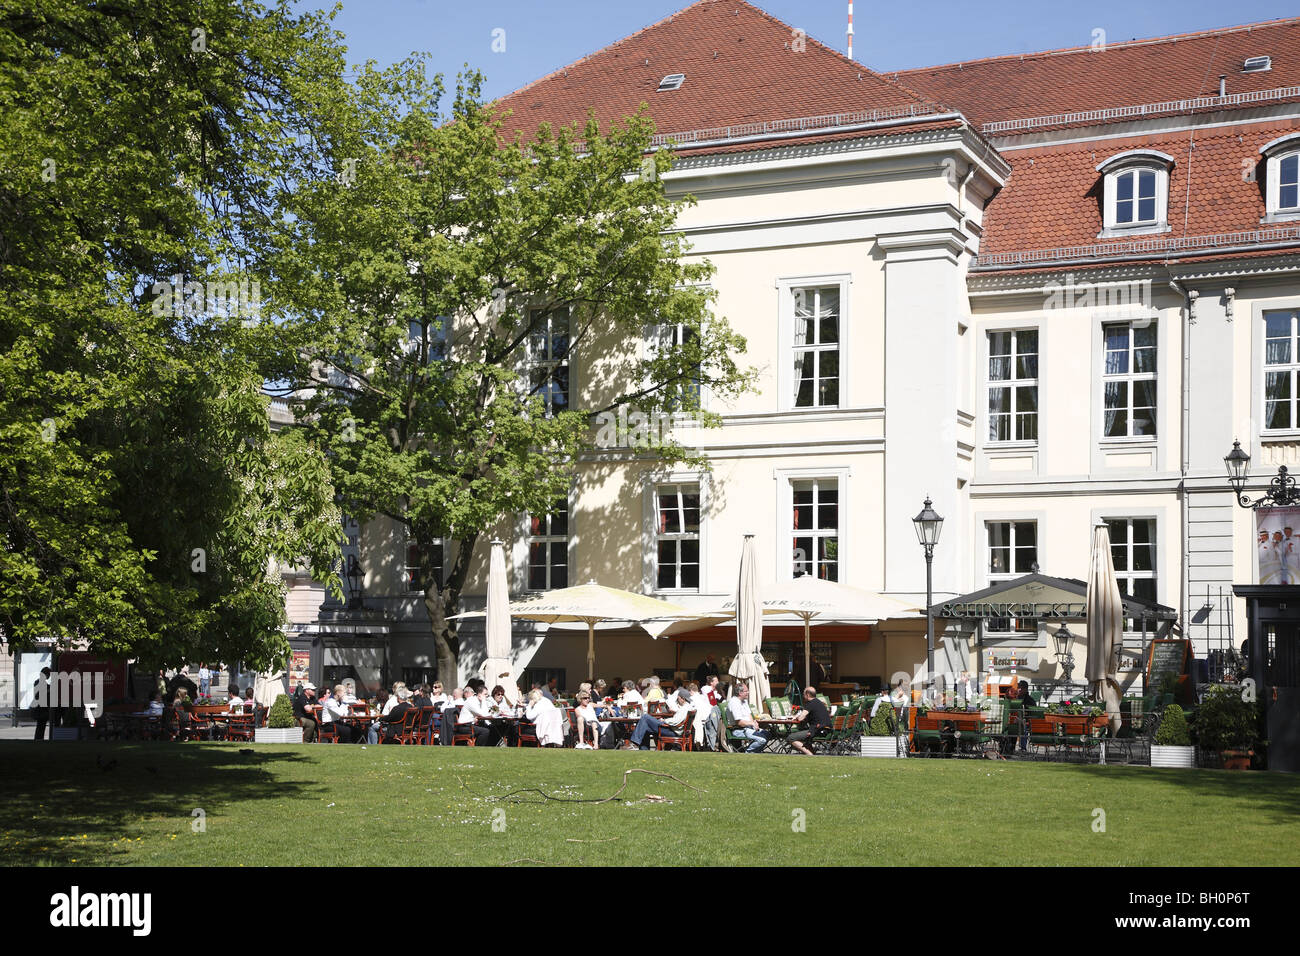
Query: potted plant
[1173,744]
[879,739]
[280,727]
[1227,723]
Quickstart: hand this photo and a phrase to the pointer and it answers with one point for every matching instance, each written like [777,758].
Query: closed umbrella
[497,627]
[1105,614]
[748,664]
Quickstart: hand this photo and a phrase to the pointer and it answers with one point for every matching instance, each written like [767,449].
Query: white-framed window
[1133,551]
[1129,380]
[1135,192]
[1281,368]
[683,394]
[1011,551]
[677,537]
[412,578]
[816,346]
[548,548]
[815,527]
[434,332]
[548,358]
[1282,178]
[1013,386]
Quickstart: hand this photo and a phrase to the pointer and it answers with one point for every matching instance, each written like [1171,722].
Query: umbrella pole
[591,650]
[807,651]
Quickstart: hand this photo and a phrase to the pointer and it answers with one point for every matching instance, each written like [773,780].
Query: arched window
[1282,182]
[1136,192]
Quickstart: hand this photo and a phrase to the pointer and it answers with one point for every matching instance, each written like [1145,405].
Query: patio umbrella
[748,664]
[591,604]
[1105,614]
[807,597]
[497,627]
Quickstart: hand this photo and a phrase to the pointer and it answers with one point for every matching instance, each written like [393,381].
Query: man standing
[205,679]
[814,717]
[42,704]
[742,718]
[708,668]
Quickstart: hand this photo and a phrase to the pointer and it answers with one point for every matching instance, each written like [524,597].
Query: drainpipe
[1189,297]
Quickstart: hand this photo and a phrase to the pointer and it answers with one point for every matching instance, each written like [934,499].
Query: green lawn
[294,805]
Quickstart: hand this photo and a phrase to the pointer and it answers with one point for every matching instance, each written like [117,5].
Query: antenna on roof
[850,29]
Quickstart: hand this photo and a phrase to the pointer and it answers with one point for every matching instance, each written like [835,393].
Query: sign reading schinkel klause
[1014,609]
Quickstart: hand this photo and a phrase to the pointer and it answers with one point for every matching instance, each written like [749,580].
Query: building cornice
[993,284]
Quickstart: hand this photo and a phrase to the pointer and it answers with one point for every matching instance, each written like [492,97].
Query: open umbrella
[591,604]
[807,597]
[497,627]
[1105,614]
[748,664]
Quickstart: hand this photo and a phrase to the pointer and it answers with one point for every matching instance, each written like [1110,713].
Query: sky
[543,35]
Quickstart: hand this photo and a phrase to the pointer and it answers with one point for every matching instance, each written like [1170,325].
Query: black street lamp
[353,575]
[1063,638]
[928,525]
[1281,493]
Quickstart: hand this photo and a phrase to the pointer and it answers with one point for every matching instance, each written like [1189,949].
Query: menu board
[299,668]
[1167,657]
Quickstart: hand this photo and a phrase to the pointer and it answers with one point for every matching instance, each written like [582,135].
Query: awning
[1040,597]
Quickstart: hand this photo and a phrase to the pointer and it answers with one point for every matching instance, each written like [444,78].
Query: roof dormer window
[673,81]
[1282,178]
[1136,192]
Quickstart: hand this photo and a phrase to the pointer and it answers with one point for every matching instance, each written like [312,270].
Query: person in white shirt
[155,708]
[333,708]
[704,726]
[742,718]
[671,726]
[394,697]
[235,703]
[546,718]
[631,696]
[588,725]
[474,707]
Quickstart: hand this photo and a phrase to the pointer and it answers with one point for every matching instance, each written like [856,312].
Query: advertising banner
[1277,543]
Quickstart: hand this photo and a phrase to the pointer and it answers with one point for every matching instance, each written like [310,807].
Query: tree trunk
[445,603]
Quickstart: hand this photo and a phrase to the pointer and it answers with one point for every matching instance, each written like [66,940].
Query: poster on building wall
[1277,543]
[299,668]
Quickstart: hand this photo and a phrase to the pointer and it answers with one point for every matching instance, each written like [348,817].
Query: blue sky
[542,35]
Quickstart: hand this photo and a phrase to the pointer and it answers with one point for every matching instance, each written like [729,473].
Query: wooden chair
[408,729]
[239,728]
[422,725]
[463,734]
[527,734]
[687,739]
[433,732]
[1045,734]
[326,733]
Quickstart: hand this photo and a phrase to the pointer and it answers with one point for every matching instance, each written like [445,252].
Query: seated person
[234,703]
[422,697]
[155,707]
[672,726]
[814,718]
[476,706]
[304,711]
[333,708]
[631,697]
[546,718]
[500,706]
[742,719]
[390,724]
[588,725]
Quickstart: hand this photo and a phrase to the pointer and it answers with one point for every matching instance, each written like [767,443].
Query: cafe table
[782,726]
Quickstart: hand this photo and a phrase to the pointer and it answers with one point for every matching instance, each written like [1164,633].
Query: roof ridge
[1148,41]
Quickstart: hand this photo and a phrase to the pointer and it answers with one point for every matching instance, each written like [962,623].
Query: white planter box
[1166,756]
[880,746]
[277,735]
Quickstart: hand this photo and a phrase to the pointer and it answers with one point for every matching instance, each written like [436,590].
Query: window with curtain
[1281,363]
[1133,552]
[548,358]
[1129,380]
[1013,385]
[816,346]
[815,525]
[548,548]
[677,536]
[1012,552]
[411,575]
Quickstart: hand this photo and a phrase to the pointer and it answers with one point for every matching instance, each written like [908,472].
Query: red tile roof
[741,67]
[1053,197]
[1121,74]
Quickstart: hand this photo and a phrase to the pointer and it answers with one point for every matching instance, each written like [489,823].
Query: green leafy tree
[434,297]
[142,492]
